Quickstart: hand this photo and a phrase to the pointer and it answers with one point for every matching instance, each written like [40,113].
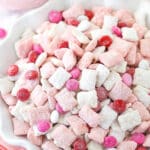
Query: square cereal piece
[38,96]
[145,47]
[108,116]
[129,119]
[38,113]
[85,83]
[127,145]
[94,146]
[89,116]
[49,145]
[97,134]
[66,99]
[20,127]
[120,91]
[130,34]
[147,141]
[77,124]
[63,137]
[59,78]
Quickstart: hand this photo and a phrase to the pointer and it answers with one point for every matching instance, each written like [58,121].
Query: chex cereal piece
[59,78]
[129,119]
[94,146]
[87,98]
[85,83]
[77,124]
[66,99]
[49,145]
[130,145]
[108,115]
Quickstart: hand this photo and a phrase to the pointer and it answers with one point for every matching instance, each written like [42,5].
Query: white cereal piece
[129,34]
[94,146]
[129,119]
[144,64]
[147,34]
[102,74]
[84,25]
[82,17]
[69,59]
[108,115]
[5,85]
[45,85]
[87,98]
[54,116]
[80,36]
[105,102]
[142,94]
[52,32]
[56,62]
[141,77]
[98,33]
[59,78]
[111,80]
[99,50]
[88,79]
[110,21]
[40,60]
[117,132]
[120,68]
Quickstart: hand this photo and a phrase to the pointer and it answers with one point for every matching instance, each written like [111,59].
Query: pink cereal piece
[132,99]
[145,47]
[47,69]
[147,141]
[59,109]
[125,16]
[110,142]
[142,127]
[51,103]
[92,45]
[139,57]
[3,33]
[59,53]
[127,145]
[66,99]
[127,79]
[120,45]
[95,132]
[89,116]
[63,136]
[77,124]
[73,12]
[55,16]
[23,47]
[20,127]
[117,31]
[139,138]
[75,73]
[86,60]
[9,99]
[120,91]
[37,140]
[144,113]
[111,58]
[38,113]
[38,96]
[49,145]
[37,48]
[43,125]
[72,85]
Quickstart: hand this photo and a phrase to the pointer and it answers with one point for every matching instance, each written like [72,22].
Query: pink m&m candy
[72,85]
[75,73]
[2,33]
[116,30]
[110,142]
[139,138]
[37,48]
[55,16]
[43,125]
[127,79]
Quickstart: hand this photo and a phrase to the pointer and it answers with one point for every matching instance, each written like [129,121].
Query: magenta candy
[75,73]
[37,48]
[55,16]
[43,125]
[59,109]
[110,142]
[139,138]
[72,85]
[116,30]
[2,33]
[127,79]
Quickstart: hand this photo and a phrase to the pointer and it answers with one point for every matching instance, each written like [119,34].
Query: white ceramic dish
[32,20]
